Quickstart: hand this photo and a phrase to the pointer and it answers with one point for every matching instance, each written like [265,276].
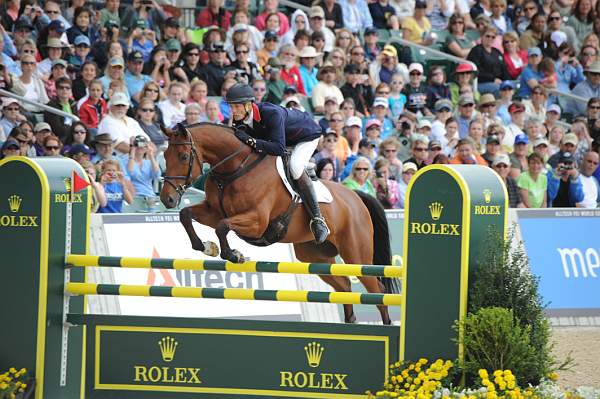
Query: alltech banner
[193,359]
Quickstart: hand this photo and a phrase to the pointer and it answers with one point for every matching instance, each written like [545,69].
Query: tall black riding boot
[309,198]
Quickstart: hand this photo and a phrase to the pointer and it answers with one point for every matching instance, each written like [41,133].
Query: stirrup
[319,219]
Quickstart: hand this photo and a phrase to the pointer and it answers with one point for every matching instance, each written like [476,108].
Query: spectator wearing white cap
[416,90]
[353,134]
[122,129]
[553,113]
[11,115]
[379,111]
[408,171]
[540,146]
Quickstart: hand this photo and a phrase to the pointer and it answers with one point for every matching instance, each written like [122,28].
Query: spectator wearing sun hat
[326,87]
[589,88]
[308,70]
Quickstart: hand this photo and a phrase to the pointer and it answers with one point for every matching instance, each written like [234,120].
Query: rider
[269,128]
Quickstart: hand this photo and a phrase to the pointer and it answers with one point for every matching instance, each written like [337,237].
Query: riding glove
[245,138]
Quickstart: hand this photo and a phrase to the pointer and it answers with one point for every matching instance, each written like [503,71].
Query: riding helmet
[239,93]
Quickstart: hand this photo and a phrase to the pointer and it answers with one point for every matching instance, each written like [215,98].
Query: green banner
[226,359]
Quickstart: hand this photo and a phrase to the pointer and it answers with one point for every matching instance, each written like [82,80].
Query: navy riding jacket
[276,128]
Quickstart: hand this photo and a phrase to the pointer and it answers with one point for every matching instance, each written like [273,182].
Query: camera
[378,174]
[566,166]
[140,141]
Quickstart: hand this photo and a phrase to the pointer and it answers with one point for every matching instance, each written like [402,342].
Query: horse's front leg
[232,255]
[202,214]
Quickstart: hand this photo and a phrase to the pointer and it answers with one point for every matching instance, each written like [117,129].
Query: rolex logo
[435,208]
[314,351]
[67,181]
[487,196]
[14,202]
[167,346]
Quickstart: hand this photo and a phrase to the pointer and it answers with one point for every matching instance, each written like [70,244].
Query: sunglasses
[220,50]
[242,52]
[554,19]
[361,169]
[336,120]
[468,105]
[594,107]
[193,54]
[361,54]
[27,63]
[415,73]
[345,38]
[383,93]
[79,132]
[501,166]
[52,147]
[146,109]
[420,149]
[52,12]
[29,51]
[488,105]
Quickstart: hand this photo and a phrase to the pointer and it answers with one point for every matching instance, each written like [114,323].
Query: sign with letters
[286,361]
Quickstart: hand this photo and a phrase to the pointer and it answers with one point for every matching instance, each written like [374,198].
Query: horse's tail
[382,251]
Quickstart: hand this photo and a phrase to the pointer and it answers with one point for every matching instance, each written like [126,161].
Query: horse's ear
[169,132]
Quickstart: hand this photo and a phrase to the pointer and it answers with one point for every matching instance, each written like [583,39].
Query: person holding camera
[142,167]
[214,71]
[564,185]
[386,189]
[116,187]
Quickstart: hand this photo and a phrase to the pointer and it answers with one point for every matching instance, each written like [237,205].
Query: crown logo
[67,181]
[314,351]
[487,196]
[435,208]
[14,202]
[167,346]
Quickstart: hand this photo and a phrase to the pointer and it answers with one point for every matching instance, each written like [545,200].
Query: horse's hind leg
[307,252]
[362,254]
[373,285]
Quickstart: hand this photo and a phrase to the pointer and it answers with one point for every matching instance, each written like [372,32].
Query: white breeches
[301,154]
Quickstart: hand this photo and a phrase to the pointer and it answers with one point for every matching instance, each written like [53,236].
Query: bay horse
[245,194]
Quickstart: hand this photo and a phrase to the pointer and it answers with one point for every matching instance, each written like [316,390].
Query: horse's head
[184,165]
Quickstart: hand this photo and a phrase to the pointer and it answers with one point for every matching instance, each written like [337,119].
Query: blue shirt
[145,48]
[528,74]
[141,177]
[114,197]
[10,64]
[135,84]
[309,79]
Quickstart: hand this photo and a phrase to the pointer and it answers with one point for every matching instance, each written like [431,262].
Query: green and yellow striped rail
[332,269]
[234,293]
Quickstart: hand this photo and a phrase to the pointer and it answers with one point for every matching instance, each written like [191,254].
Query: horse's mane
[200,124]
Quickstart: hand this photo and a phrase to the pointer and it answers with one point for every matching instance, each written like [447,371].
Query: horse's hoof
[237,257]
[198,246]
[351,320]
[210,248]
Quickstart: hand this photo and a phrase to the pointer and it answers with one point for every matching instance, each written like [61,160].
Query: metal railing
[438,53]
[568,95]
[44,107]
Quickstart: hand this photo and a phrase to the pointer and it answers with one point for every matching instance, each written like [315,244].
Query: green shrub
[494,340]
[503,279]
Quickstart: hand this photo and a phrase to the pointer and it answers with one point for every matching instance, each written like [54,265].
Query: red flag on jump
[77,183]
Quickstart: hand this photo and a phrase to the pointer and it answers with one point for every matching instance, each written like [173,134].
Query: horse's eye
[184,156]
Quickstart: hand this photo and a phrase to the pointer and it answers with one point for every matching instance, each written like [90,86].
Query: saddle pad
[323,193]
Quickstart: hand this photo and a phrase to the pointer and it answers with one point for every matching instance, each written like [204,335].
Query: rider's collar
[255,114]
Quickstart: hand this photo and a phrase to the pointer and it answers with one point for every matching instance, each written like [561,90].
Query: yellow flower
[12,370]
[483,374]
[511,385]
[498,373]
[553,376]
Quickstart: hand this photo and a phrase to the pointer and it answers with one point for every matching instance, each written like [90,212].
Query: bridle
[187,179]
[180,188]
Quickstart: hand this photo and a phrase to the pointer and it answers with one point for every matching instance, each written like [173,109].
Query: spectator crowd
[520,94]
